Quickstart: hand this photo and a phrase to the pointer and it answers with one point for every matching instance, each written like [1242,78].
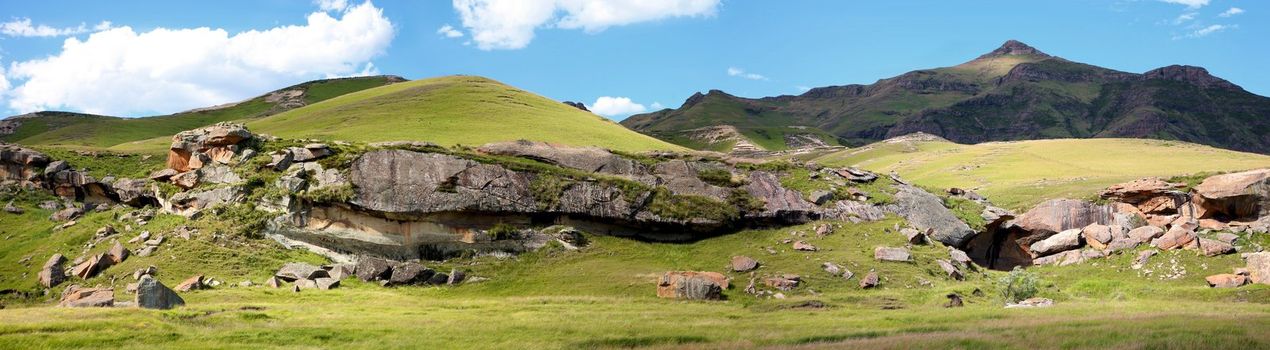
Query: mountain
[453,110]
[1014,92]
[96,131]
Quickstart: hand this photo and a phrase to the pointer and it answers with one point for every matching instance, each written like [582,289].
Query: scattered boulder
[1259,267]
[960,257]
[1062,241]
[804,246]
[954,300]
[152,294]
[892,254]
[76,296]
[373,269]
[305,283]
[294,271]
[91,266]
[117,254]
[783,282]
[743,263]
[12,209]
[193,283]
[410,273]
[52,273]
[1145,234]
[192,149]
[913,236]
[1226,280]
[1097,236]
[147,271]
[326,283]
[1178,236]
[926,212]
[854,174]
[1211,247]
[340,271]
[950,269]
[147,250]
[67,214]
[870,280]
[439,278]
[456,276]
[692,285]
[1143,257]
[1236,195]
[831,268]
[273,282]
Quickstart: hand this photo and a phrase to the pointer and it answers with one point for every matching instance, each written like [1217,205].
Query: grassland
[1019,174]
[151,134]
[602,297]
[453,110]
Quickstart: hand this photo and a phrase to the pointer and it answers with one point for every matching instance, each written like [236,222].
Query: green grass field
[602,296]
[453,110]
[1019,174]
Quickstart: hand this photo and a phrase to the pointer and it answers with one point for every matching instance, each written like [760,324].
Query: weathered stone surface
[198,142]
[193,283]
[190,204]
[410,273]
[91,266]
[1031,303]
[783,282]
[856,175]
[273,282]
[804,246]
[1226,280]
[373,269]
[692,285]
[341,271]
[134,192]
[145,271]
[76,296]
[1143,257]
[52,273]
[960,257]
[831,268]
[892,254]
[1137,191]
[1211,247]
[1236,195]
[1145,234]
[310,152]
[67,214]
[295,271]
[778,201]
[1259,267]
[326,283]
[456,276]
[1063,241]
[305,283]
[743,263]
[913,236]
[925,212]
[438,278]
[870,280]
[117,254]
[950,269]
[1058,215]
[1178,236]
[147,250]
[151,294]
[1097,236]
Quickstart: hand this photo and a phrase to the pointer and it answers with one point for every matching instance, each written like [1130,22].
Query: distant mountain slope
[1015,92]
[452,110]
[1018,174]
[94,131]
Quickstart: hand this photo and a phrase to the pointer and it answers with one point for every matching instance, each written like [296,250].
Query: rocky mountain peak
[1014,47]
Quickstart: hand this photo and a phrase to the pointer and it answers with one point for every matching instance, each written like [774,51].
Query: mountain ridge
[1014,92]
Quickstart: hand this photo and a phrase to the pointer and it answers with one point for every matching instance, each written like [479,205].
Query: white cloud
[1205,31]
[1194,4]
[122,72]
[737,72]
[1185,17]
[656,106]
[802,88]
[1231,12]
[331,5]
[616,106]
[22,27]
[510,24]
[449,31]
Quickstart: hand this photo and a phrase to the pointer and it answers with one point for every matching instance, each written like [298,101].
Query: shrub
[329,194]
[502,231]
[1019,284]
[716,176]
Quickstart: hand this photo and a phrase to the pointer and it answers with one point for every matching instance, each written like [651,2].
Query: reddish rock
[784,282]
[76,296]
[1211,247]
[1178,236]
[1139,190]
[1259,267]
[117,254]
[1236,195]
[91,266]
[804,246]
[869,280]
[892,254]
[192,283]
[692,285]
[743,263]
[1097,236]
[1226,280]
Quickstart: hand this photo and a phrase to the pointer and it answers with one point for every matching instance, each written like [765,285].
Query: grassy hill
[453,110]
[85,131]
[1021,173]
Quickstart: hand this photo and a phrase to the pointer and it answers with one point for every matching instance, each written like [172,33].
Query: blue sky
[153,58]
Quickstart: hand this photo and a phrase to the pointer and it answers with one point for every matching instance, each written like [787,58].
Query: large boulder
[76,296]
[926,212]
[294,271]
[91,266]
[1063,241]
[692,285]
[193,149]
[1140,190]
[1226,280]
[152,294]
[1178,236]
[1259,267]
[1237,195]
[410,273]
[373,269]
[1097,236]
[589,159]
[1058,215]
[52,274]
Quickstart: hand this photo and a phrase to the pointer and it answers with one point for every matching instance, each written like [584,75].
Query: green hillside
[453,110]
[1021,173]
[75,130]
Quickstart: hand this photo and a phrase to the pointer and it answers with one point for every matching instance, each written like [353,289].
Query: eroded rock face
[191,149]
[151,294]
[1237,195]
[1141,190]
[926,212]
[1058,215]
[76,296]
[52,274]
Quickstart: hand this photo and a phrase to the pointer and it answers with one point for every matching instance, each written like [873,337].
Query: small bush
[1019,284]
[329,194]
[547,189]
[502,231]
[716,176]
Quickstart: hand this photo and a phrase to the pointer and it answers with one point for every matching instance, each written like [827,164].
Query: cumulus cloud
[1194,4]
[449,31]
[510,24]
[1205,31]
[656,106]
[331,5]
[616,106]
[737,72]
[1185,17]
[122,72]
[1231,12]
[22,27]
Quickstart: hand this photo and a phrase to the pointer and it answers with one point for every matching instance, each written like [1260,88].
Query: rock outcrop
[692,285]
